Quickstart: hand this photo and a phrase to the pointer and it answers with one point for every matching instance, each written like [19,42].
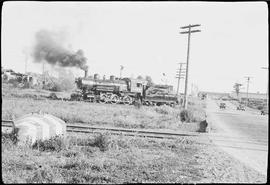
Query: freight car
[124,90]
[160,95]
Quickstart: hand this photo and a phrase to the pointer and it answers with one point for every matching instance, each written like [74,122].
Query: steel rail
[74,125]
[8,123]
[124,134]
[119,131]
[205,141]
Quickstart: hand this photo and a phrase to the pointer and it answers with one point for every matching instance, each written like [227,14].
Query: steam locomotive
[124,91]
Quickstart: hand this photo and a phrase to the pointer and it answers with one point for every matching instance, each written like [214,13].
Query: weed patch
[55,143]
[101,141]
[186,116]
[126,160]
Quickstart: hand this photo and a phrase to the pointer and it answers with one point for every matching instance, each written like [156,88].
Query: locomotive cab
[136,86]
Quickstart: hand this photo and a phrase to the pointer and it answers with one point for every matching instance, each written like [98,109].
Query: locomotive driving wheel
[114,99]
[127,100]
[102,98]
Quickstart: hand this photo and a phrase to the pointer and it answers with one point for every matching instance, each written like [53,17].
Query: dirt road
[242,134]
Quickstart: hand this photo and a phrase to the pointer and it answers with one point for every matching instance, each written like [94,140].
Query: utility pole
[267,85]
[237,89]
[179,76]
[188,32]
[248,79]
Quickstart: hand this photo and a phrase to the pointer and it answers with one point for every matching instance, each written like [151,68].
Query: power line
[189,33]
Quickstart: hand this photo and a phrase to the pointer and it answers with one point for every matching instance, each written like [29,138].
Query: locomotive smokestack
[85,73]
[112,78]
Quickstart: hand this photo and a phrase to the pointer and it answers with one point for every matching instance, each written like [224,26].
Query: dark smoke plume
[49,47]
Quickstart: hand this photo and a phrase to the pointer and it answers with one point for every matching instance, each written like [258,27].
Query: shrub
[186,116]
[55,143]
[260,107]
[203,126]
[101,141]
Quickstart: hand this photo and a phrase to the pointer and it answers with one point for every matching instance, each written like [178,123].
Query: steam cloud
[49,47]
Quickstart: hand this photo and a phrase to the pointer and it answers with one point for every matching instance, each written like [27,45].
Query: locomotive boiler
[112,90]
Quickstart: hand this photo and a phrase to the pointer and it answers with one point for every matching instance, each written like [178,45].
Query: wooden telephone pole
[189,33]
[179,76]
[248,80]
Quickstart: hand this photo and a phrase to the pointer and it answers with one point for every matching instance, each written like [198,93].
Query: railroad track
[87,129]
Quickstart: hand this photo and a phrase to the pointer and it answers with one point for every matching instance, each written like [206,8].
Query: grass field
[124,116]
[18,102]
[119,159]
[114,159]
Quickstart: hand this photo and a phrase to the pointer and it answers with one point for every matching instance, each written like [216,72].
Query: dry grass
[115,159]
[124,160]
[18,102]
[124,116]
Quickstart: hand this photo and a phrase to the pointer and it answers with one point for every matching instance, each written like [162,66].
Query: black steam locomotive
[124,90]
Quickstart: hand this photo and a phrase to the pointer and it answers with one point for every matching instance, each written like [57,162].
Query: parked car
[222,106]
[241,107]
[264,111]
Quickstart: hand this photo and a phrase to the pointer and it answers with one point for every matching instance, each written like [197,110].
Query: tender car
[264,111]
[241,107]
[222,106]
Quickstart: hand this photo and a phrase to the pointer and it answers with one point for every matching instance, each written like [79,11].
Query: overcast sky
[144,38]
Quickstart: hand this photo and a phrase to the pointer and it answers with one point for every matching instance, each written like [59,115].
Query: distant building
[7,74]
[251,96]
